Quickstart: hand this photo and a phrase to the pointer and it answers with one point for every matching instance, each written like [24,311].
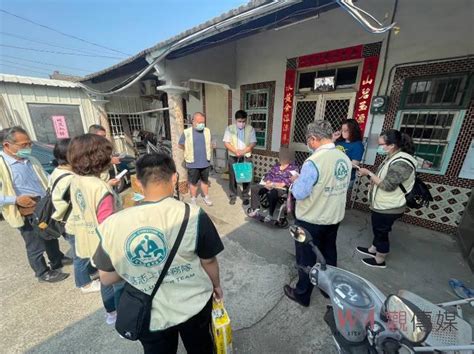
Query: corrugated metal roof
[28,80]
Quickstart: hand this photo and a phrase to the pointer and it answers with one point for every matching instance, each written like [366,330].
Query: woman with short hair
[387,199]
[93,201]
[61,179]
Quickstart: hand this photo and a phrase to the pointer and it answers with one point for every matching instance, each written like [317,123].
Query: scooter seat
[447,328]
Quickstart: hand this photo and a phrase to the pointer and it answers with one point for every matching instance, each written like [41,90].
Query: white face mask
[310,149]
[241,125]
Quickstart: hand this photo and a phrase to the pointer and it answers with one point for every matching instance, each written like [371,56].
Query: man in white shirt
[239,140]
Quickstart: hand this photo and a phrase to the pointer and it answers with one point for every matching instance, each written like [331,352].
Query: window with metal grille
[431,132]
[305,114]
[346,77]
[447,91]
[116,126]
[135,122]
[335,111]
[256,104]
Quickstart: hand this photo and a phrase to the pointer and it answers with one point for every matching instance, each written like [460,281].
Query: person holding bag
[166,252]
[388,186]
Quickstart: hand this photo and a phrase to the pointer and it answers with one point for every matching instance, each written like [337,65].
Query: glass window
[47,128]
[435,91]
[431,133]
[256,104]
[346,77]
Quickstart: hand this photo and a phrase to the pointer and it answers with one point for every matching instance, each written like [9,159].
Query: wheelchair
[282,215]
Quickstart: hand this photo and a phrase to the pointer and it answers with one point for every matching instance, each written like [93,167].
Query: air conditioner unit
[148,88]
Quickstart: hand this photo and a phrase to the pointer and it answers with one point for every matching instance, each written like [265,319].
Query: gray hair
[9,133]
[320,129]
[198,114]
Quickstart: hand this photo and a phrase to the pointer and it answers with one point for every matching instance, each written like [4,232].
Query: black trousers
[381,227]
[35,248]
[195,334]
[232,181]
[273,195]
[324,237]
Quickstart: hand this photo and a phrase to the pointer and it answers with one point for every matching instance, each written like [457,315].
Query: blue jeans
[111,295]
[82,266]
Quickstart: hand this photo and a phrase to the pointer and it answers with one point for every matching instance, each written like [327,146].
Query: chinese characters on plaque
[60,127]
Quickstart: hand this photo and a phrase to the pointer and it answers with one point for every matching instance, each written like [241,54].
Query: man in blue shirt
[197,146]
[22,185]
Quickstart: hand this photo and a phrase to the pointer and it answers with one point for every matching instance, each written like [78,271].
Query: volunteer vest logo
[146,247]
[81,202]
[342,170]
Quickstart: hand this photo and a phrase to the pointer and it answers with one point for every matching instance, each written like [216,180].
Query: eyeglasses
[24,145]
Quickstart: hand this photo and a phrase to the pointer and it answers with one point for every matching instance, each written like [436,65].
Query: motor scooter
[363,320]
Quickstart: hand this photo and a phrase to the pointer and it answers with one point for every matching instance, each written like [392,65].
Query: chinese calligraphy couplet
[366,90]
[60,127]
[288,99]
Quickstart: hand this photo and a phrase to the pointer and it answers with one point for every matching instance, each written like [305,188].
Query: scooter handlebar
[319,256]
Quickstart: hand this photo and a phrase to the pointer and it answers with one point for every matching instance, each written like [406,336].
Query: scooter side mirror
[416,325]
[299,234]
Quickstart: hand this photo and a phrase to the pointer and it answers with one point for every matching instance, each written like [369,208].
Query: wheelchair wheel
[282,223]
[248,211]
[264,204]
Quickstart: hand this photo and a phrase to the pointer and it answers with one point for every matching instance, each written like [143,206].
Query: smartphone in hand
[121,174]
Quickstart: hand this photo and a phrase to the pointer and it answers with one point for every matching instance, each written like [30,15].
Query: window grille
[256,104]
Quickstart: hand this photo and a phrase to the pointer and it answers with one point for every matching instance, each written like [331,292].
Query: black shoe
[246,202]
[66,261]
[52,276]
[371,262]
[365,251]
[232,200]
[290,293]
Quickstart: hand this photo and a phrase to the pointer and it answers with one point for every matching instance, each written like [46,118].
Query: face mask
[310,149]
[200,126]
[23,153]
[381,151]
[240,125]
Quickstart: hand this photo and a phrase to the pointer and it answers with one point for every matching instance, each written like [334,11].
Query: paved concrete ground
[45,318]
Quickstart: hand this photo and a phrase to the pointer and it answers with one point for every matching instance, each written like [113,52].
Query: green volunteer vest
[138,241]
[384,200]
[326,204]
[234,138]
[86,194]
[189,144]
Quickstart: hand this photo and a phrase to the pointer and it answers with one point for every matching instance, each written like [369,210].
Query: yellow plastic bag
[221,328]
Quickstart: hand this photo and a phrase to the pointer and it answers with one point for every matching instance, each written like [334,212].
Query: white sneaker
[92,287]
[207,200]
[111,317]
[193,200]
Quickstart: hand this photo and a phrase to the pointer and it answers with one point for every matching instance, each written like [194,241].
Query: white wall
[17,96]
[429,29]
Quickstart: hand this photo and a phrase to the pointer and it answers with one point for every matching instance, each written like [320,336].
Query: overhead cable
[62,33]
[55,52]
[24,68]
[46,43]
[43,63]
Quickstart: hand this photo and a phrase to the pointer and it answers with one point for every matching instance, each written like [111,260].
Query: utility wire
[62,33]
[27,66]
[55,52]
[24,68]
[43,63]
[45,43]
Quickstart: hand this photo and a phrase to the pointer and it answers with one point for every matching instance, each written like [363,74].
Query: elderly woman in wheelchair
[273,190]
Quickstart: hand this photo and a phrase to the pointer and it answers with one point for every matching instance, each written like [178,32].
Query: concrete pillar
[175,105]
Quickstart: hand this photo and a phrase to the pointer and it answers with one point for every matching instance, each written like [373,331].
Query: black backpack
[420,195]
[42,222]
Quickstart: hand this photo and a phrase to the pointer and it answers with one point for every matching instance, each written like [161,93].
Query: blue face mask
[381,151]
[24,153]
[200,126]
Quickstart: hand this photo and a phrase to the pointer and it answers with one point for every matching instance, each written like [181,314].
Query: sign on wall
[60,127]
